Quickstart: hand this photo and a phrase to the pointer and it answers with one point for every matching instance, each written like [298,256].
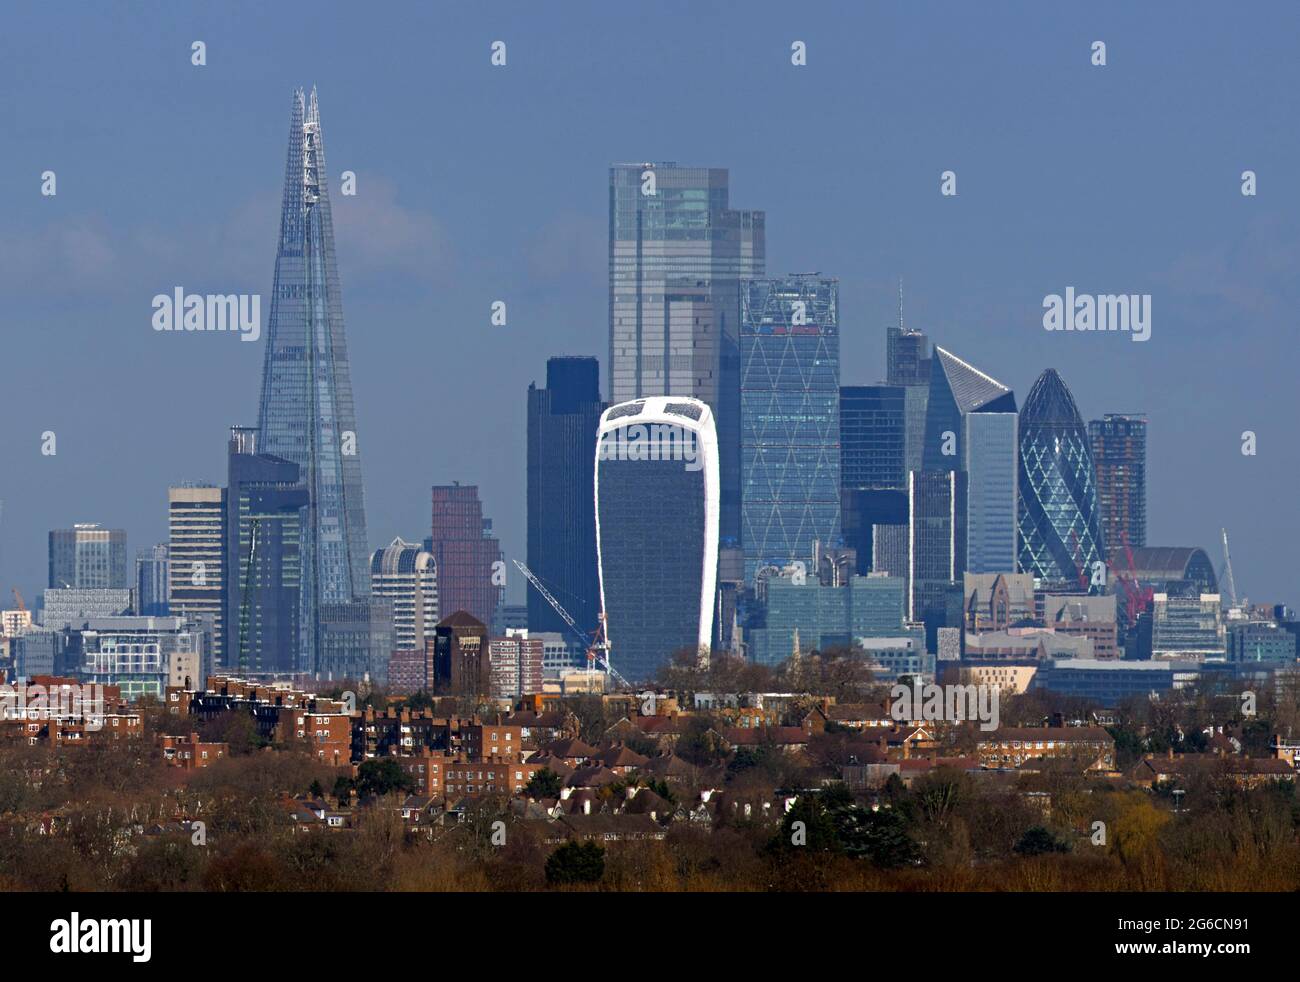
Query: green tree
[544,784]
[1039,841]
[381,777]
[576,862]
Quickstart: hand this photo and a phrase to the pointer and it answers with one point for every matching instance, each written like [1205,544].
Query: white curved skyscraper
[656,530]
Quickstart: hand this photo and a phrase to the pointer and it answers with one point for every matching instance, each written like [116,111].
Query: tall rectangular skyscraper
[562,423]
[677,254]
[196,547]
[306,414]
[1119,451]
[789,418]
[907,363]
[873,463]
[991,446]
[466,554]
[265,504]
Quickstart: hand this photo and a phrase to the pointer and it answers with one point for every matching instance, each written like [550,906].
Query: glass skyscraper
[873,463]
[656,530]
[306,414]
[789,418]
[562,422]
[88,557]
[1060,523]
[265,504]
[677,254]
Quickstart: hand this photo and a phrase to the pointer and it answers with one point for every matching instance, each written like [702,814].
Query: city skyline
[206,375]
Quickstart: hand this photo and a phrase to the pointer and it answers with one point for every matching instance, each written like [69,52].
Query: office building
[677,254]
[471,566]
[1189,628]
[562,422]
[407,577]
[151,581]
[196,548]
[789,418]
[656,530]
[88,557]
[1060,522]
[266,505]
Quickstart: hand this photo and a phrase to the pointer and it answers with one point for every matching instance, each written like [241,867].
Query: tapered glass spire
[306,413]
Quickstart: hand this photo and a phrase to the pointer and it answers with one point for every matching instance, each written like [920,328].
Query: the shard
[306,413]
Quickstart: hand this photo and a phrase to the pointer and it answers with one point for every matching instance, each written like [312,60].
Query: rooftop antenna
[900,303]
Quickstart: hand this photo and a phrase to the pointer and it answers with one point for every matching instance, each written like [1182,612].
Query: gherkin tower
[1060,521]
[306,413]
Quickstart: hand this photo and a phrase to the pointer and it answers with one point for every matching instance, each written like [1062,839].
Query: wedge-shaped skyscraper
[1060,522]
[306,414]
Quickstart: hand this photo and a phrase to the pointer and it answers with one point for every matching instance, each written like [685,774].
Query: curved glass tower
[306,414]
[656,530]
[1060,522]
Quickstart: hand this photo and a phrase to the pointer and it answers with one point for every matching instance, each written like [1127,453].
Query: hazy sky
[478,183]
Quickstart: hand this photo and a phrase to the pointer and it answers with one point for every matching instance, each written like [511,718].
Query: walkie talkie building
[656,530]
[306,414]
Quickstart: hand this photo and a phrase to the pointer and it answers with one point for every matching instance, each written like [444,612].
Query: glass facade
[466,554]
[1119,450]
[656,531]
[872,436]
[562,422]
[151,577]
[88,557]
[992,466]
[306,413]
[790,418]
[265,504]
[1060,523]
[677,254]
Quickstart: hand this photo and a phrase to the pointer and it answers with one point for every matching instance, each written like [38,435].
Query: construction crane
[18,599]
[1136,597]
[597,644]
[247,589]
[1227,568]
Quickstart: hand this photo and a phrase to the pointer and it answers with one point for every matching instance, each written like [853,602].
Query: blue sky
[478,183]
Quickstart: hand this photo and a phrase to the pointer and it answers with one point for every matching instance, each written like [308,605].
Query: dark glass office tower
[936,547]
[677,254]
[265,505]
[656,530]
[789,418]
[562,423]
[1060,523]
[306,414]
[1119,450]
[907,363]
[151,577]
[873,464]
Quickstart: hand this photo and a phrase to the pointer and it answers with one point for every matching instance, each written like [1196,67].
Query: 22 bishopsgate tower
[306,413]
